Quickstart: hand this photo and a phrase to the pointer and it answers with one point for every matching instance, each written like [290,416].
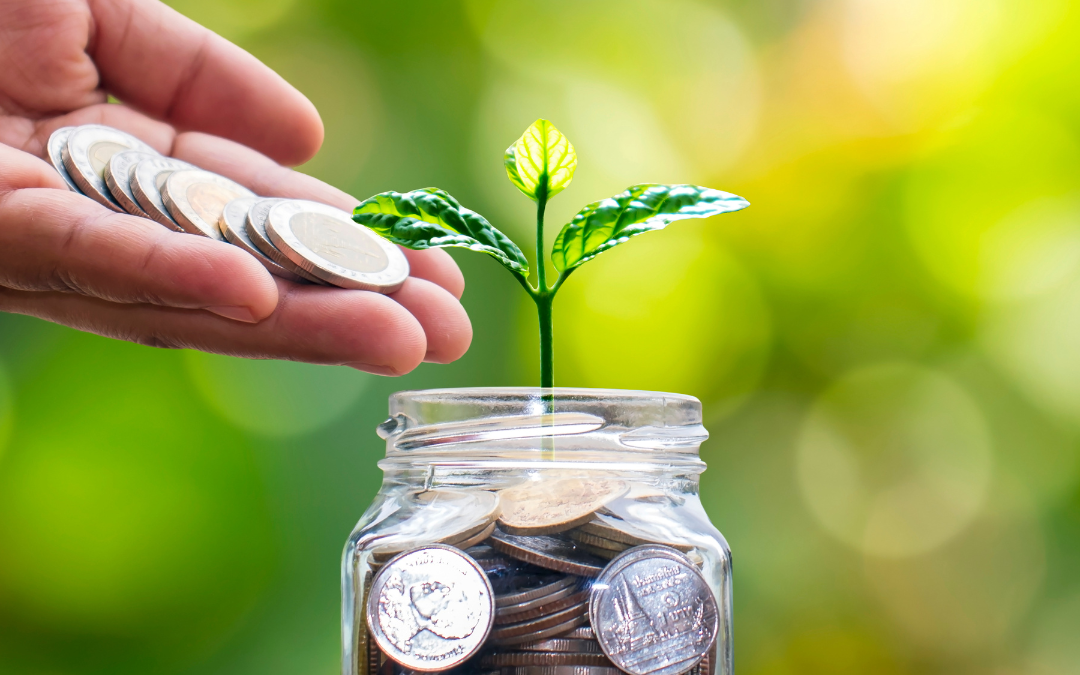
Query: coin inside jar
[197,198]
[430,608]
[645,587]
[456,514]
[618,531]
[550,552]
[555,506]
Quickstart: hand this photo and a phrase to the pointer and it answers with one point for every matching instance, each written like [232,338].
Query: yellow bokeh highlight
[894,460]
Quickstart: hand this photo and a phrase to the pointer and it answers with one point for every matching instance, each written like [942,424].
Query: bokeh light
[885,342]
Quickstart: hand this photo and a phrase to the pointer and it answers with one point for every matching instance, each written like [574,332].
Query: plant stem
[543,297]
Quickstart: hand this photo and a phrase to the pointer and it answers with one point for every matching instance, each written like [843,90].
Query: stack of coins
[297,240]
[555,585]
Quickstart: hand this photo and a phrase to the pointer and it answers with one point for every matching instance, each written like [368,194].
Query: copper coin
[606,530]
[560,630]
[510,659]
[576,645]
[538,625]
[554,553]
[505,615]
[548,507]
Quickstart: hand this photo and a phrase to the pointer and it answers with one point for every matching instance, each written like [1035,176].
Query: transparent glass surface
[450,452]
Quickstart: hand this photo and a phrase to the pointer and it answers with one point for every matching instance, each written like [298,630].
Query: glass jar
[557,501]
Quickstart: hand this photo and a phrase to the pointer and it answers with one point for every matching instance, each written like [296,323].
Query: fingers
[363,330]
[446,325]
[157,60]
[56,240]
[266,177]
[157,135]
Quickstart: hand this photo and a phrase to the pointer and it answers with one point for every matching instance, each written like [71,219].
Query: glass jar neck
[484,430]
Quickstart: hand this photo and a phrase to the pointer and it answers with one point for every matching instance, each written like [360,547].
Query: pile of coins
[298,240]
[541,580]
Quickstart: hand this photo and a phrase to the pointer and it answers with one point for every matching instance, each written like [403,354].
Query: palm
[185,91]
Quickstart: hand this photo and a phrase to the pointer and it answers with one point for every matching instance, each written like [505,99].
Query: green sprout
[541,164]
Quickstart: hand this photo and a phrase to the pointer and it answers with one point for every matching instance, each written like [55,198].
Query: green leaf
[541,162]
[431,218]
[642,208]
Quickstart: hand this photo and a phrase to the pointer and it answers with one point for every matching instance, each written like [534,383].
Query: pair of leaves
[541,164]
[431,218]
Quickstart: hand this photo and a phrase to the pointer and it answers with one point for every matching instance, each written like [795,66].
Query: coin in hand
[147,180]
[233,226]
[326,243]
[55,150]
[197,198]
[88,151]
[118,179]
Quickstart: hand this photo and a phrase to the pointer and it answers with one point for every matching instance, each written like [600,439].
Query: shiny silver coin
[434,516]
[539,602]
[196,199]
[430,608]
[597,542]
[147,179]
[622,532]
[118,179]
[536,589]
[512,659]
[514,614]
[535,626]
[653,612]
[475,539]
[550,552]
[577,646]
[562,670]
[87,153]
[325,242]
[256,231]
[560,630]
[233,226]
[582,633]
[55,149]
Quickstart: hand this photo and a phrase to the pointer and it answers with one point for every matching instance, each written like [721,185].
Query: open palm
[190,94]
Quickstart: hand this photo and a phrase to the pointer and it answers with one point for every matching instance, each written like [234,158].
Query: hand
[185,91]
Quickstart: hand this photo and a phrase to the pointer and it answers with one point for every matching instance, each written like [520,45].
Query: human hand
[185,92]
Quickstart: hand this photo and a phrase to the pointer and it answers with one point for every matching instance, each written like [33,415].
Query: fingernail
[235,313]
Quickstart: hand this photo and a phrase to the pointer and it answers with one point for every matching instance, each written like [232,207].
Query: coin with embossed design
[326,243]
[551,552]
[197,198]
[88,151]
[256,231]
[55,150]
[147,179]
[653,612]
[430,608]
[548,507]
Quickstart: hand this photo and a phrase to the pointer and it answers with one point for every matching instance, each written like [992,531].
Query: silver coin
[563,670]
[515,614]
[147,179]
[560,630]
[653,612]
[234,226]
[118,179]
[512,659]
[617,530]
[551,552]
[430,608]
[55,148]
[256,231]
[88,151]
[582,633]
[539,624]
[196,199]
[574,645]
[327,243]
[536,590]
[434,516]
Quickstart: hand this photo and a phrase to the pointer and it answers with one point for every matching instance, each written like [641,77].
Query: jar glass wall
[585,542]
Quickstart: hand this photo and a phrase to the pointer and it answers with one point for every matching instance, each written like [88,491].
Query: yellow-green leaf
[541,162]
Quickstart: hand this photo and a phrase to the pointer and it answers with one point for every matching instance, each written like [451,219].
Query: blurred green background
[887,343]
